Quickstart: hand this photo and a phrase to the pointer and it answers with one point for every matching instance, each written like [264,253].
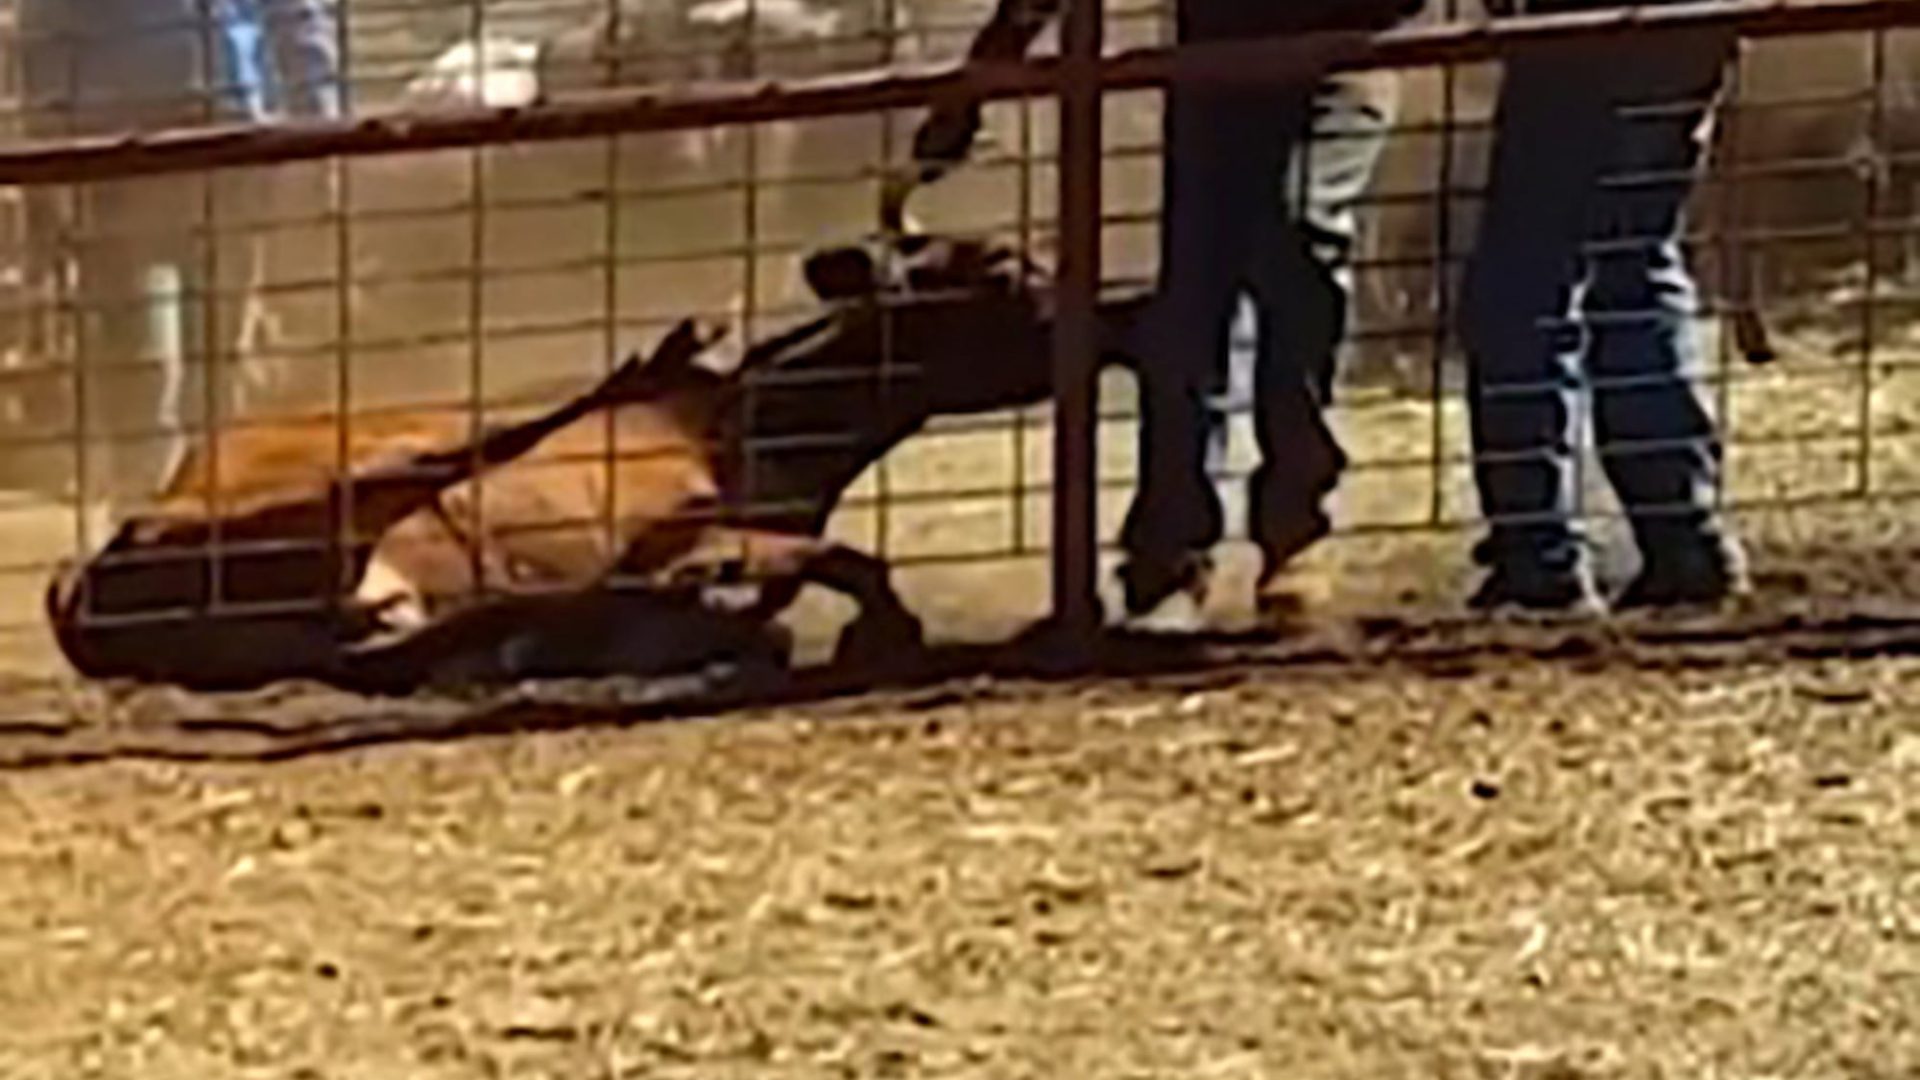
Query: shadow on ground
[93,724]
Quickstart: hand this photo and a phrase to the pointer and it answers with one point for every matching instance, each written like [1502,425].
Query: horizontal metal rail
[762,101]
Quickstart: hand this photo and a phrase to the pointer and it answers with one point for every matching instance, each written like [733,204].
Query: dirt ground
[1545,870]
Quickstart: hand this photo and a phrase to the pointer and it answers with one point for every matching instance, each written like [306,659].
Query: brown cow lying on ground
[596,530]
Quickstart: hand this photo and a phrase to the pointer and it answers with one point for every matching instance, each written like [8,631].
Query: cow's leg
[643,633]
[593,634]
[776,597]
[884,631]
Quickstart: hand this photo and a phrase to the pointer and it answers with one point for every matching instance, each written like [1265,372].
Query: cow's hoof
[882,644]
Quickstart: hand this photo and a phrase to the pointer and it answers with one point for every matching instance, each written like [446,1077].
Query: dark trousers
[1577,281]
[1225,230]
[1325,181]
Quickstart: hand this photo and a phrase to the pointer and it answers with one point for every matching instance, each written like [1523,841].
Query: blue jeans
[1577,279]
[1226,231]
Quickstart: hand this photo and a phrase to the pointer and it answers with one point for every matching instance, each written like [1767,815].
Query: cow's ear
[679,349]
[709,332]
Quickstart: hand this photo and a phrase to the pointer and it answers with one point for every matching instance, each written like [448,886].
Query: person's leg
[1523,352]
[1224,147]
[1231,393]
[237,350]
[1657,439]
[148,305]
[290,305]
[35,400]
[194,287]
[118,377]
[1353,112]
[1305,286]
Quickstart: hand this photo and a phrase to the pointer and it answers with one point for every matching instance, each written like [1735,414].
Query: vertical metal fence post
[1076,606]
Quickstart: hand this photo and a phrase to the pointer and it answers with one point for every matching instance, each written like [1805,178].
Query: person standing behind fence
[1329,174]
[290,51]
[152,275]
[1225,229]
[1578,276]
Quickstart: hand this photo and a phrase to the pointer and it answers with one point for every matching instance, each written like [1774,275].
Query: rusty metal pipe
[1076,604]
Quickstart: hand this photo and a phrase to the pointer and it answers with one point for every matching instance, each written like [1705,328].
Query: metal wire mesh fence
[309,304]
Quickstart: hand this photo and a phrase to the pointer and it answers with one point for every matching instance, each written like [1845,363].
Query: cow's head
[917,266]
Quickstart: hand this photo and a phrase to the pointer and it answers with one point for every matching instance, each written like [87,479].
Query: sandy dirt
[1547,870]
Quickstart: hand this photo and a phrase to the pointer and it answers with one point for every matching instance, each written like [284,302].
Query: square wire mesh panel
[432,295]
